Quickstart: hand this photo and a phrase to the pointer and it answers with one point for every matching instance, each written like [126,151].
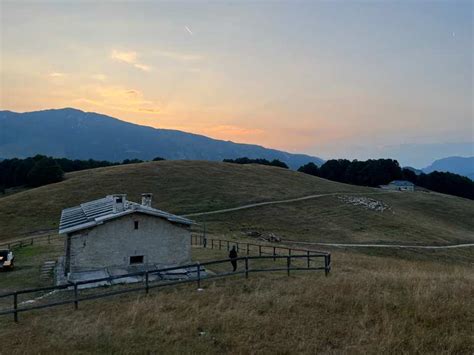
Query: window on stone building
[137,259]
[136,224]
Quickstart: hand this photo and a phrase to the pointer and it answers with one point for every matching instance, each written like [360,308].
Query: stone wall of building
[159,241]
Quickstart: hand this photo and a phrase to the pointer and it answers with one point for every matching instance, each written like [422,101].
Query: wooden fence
[247,248]
[74,295]
[43,239]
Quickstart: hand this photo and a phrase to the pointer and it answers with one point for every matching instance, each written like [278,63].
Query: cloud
[233,131]
[56,75]
[117,98]
[148,110]
[133,92]
[182,57]
[129,57]
[142,67]
[100,77]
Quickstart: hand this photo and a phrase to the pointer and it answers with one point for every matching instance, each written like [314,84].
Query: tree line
[42,170]
[375,172]
[245,160]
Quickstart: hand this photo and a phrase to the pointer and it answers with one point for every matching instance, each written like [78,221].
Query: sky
[334,79]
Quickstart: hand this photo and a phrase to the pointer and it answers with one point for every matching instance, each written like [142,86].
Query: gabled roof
[96,212]
[402,183]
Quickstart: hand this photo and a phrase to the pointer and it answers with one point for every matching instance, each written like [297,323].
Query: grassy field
[414,218]
[367,305]
[28,266]
[374,301]
[178,187]
[185,187]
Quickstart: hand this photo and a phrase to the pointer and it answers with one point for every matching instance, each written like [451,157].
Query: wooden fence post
[76,301]
[146,282]
[220,244]
[198,275]
[15,307]
[274,253]
[288,263]
[326,269]
[307,253]
[246,267]
[212,243]
[248,251]
[259,250]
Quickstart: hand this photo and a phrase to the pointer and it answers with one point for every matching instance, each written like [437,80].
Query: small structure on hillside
[113,235]
[399,185]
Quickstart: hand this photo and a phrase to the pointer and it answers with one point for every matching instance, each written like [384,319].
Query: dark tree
[45,171]
[409,175]
[278,163]
[158,159]
[245,160]
[310,168]
[375,172]
[132,161]
[334,169]
[448,183]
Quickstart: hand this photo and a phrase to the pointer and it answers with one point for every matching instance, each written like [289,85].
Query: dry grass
[28,262]
[178,186]
[367,305]
[416,218]
[390,301]
[185,187]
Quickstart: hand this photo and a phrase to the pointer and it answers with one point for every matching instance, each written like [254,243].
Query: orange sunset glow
[279,76]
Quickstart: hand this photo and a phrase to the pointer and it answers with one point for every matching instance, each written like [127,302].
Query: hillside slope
[75,134]
[184,187]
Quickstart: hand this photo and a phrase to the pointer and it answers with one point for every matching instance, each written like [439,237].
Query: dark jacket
[233,254]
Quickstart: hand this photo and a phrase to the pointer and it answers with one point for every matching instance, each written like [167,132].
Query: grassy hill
[184,187]
[375,302]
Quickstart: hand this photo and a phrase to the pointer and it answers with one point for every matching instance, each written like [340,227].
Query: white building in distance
[399,185]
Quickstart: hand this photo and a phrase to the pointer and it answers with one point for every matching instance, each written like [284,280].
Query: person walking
[233,255]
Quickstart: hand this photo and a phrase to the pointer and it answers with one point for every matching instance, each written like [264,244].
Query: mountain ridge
[454,164]
[75,134]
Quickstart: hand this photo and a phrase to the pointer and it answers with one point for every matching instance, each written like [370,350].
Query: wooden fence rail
[262,251]
[247,248]
[146,285]
[43,239]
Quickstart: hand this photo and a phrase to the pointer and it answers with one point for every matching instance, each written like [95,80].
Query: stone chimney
[119,202]
[146,199]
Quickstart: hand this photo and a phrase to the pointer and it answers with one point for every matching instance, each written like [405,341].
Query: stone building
[113,232]
[400,185]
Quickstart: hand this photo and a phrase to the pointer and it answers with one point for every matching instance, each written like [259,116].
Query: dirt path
[355,245]
[259,204]
[344,245]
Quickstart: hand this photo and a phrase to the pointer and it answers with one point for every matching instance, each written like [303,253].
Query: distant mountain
[457,165]
[75,134]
